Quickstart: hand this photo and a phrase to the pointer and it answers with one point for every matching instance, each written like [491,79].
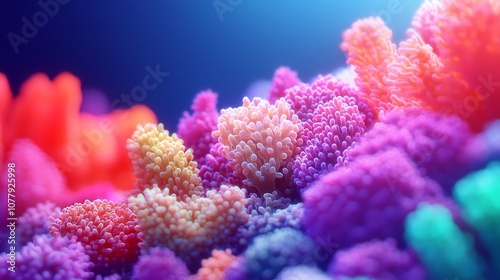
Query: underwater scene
[383,164]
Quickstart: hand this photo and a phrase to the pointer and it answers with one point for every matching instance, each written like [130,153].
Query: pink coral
[196,129]
[162,159]
[260,141]
[108,231]
[35,221]
[283,79]
[214,267]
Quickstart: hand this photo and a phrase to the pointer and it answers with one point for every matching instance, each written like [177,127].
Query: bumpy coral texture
[260,141]
[333,127]
[283,79]
[87,149]
[35,221]
[217,170]
[378,260]
[434,142]
[161,264]
[272,252]
[214,268]
[196,129]
[108,231]
[478,195]
[368,200]
[442,247]
[162,159]
[190,228]
[49,258]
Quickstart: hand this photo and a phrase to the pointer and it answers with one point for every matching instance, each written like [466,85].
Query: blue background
[109,44]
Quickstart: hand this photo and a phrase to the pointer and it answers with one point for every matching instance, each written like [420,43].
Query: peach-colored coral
[259,140]
[86,149]
[214,267]
[161,159]
[191,227]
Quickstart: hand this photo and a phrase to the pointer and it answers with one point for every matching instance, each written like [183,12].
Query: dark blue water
[223,45]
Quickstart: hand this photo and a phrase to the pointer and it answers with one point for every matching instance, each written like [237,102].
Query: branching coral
[108,231]
[368,200]
[161,264]
[260,141]
[193,227]
[478,195]
[443,248]
[48,258]
[161,159]
[196,129]
[377,260]
[283,79]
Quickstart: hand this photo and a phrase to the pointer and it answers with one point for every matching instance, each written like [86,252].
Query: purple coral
[35,221]
[196,129]
[48,258]
[434,142]
[161,264]
[217,170]
[283,79]
[332,129]
[368,200]
[377,260]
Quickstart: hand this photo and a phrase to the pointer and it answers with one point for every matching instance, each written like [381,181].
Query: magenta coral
[162,159]
[190,228]
[49,258]
[368,200]
[35,221]
[108,230]
[160,264]
[283,79]
[260,141]
[217,170]
[332,129]
[196,129]
[377,260]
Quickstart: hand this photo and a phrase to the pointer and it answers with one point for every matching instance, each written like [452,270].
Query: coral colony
[393,176]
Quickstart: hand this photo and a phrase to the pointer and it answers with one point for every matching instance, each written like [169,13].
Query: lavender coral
[443,248]
[434,142]
[260,141]
[162,159]
[377,260]
[368,200]
[478,195]
[49,258]
[302,272]
[196,129]
[161,264]
[217,170]
[108,230]
[35,221]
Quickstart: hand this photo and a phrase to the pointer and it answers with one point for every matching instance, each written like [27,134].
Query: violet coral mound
[162,159]
[35,221]
[283,79]
[160,264]
[216,171]
[443,248]
[190,228]
[302,272]
[377,260]
[214,268]
[267,213]
[434,142]
[48,258]
[196,129]
[260,141]
[368,200]
[332,129]
[108,231]
[269,254]
[478,195]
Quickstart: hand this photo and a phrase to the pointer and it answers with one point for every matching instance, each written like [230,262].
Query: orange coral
[214,267]
[87,149]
